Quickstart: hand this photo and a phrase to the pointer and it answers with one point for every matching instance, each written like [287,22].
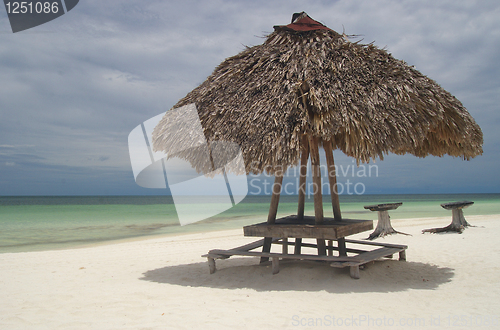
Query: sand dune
[448,281]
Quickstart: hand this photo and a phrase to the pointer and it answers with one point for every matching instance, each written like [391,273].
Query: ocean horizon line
[168,195]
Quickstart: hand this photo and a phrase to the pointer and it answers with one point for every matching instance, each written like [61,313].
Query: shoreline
[409,222]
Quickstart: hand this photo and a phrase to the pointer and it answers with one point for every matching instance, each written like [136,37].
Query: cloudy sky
[73,89]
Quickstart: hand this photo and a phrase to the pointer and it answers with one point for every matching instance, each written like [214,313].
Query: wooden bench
[361,257]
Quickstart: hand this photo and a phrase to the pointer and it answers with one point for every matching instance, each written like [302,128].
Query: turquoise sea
[45,223]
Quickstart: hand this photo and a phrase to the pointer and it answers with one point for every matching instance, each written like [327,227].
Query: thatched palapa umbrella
[308,86]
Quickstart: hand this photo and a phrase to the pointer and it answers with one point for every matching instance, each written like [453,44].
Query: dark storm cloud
[73,89]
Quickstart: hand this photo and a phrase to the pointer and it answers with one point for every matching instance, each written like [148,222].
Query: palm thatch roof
[308,79]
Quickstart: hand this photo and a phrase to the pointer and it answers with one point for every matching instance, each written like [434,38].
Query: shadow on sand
[238,273]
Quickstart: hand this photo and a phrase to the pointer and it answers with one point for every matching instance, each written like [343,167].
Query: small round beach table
[384,226]
[458,222]
[383,207]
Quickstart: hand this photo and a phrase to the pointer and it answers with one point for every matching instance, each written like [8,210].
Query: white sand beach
[448,281]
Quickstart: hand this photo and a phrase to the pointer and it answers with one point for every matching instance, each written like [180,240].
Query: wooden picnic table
[291,227]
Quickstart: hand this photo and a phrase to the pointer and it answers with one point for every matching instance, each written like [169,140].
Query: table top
[290,226]
[383,207]
[456,205]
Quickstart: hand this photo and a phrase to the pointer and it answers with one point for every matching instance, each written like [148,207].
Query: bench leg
[321,247]
[285,245]
[342,247]
[276,265]
[211,265]
[354,272]
[266,247]
[330,248]
[402,255]
[298,245]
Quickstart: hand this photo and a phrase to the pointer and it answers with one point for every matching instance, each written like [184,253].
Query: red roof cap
[303,23]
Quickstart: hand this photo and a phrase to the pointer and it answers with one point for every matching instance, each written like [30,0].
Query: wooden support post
[275,198]
[330,246]
[384,226]
[318,197]
[316,172]
[304,156]
[285,245]
[458,219]
[342,247]
[266,247]
[298,246]
[332,177]
[273,210]
[211,265]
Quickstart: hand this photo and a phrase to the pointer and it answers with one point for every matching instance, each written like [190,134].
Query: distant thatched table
[458,222]
[331,230]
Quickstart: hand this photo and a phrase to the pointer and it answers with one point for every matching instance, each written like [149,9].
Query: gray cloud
[72,89]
